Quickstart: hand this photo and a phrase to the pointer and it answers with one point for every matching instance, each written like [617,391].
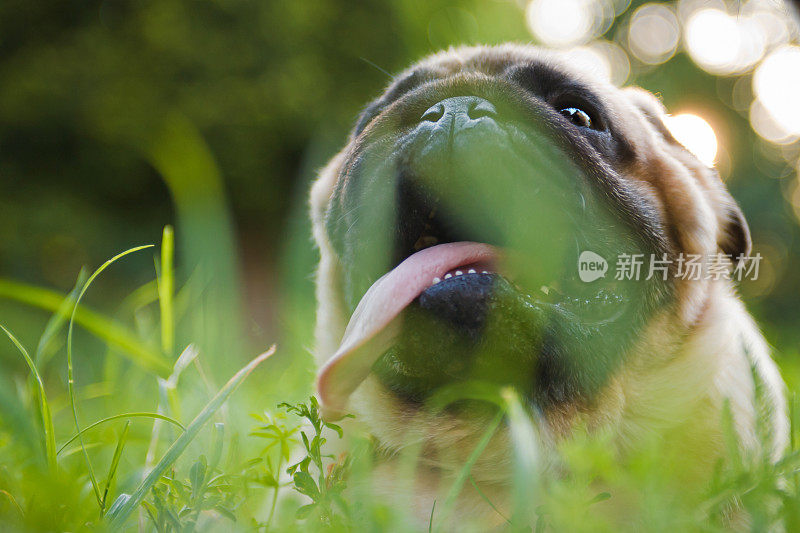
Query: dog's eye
[578,117]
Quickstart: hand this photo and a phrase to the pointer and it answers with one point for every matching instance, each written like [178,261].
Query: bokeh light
[654,33]
[773,23]
[562,22]
[696,134]
[731,39]
[776,84]
[604,59]
[767,127]
[713,40]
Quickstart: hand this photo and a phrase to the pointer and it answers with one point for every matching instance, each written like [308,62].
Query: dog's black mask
[525,159]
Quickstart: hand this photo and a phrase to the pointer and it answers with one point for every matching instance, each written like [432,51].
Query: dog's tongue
[373,326]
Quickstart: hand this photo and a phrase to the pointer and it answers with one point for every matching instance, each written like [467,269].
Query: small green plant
[320,476]
[281,441]
[176,505]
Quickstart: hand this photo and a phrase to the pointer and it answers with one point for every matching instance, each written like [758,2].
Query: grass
[27,505]
[129,503]
[252,464]
[70,371]
[47,417]
[105,328]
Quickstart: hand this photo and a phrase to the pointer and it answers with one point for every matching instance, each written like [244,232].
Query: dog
[452,228]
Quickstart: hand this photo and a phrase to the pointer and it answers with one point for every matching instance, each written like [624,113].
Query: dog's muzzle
[470,292]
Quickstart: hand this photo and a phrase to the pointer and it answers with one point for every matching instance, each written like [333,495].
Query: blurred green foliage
[87,86]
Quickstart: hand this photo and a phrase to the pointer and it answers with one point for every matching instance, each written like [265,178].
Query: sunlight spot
[695,134]
[653,34]
[605,60]
[767,127]
[723,43]
[590,60]
[561,22]
[776,84]
[712,39]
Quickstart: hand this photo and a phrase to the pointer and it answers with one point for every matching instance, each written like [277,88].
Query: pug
[481,231]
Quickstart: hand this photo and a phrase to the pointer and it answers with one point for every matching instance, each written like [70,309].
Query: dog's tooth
[448,276]
[436,280]
[471,271]
[458,272]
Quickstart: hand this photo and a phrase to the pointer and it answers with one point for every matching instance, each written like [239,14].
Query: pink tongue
[373,326]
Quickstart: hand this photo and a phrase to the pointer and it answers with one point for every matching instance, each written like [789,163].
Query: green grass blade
[525,446]
[109,331]
[14,413]
[58,319]
[466,470]
[112,469]
[47,417]
[70,370]
[167,398]
[216,453]
[465,390]
[77,449]
[121,515]
[793,421]
[140,297]
[487,500]
[166,290]
[117,417]
[13,501]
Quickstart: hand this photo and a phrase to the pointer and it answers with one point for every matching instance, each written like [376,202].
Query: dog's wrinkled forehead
[546,75]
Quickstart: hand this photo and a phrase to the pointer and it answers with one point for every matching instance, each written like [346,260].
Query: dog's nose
[460,112]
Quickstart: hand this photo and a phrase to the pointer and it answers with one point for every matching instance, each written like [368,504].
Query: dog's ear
[733,238]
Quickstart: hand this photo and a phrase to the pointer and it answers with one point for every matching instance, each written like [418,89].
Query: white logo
[591,266]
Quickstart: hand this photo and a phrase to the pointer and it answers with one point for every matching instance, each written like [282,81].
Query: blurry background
[120,116]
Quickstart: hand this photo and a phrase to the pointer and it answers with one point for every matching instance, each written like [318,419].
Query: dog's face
[451,228]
